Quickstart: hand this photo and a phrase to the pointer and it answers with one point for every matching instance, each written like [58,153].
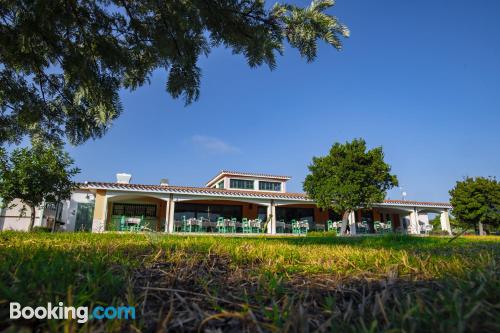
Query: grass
[204,283]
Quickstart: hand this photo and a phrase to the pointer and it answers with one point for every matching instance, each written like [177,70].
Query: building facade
[99,206]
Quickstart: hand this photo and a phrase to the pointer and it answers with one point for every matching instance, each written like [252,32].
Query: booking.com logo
[81,313]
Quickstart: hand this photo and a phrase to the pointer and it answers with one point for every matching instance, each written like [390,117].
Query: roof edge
[245,174]
[238,193]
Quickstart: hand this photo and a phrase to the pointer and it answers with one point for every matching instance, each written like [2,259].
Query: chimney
[123,178]
[164,182]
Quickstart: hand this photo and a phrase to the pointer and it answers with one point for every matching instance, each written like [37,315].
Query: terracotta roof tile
[246,174]
[188,189]
[232,193]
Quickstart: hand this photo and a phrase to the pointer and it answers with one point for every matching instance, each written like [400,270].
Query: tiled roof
[234,193]
[191,190]
[246,174]
[417,203]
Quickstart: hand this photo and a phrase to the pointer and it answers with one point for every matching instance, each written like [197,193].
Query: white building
[102,206]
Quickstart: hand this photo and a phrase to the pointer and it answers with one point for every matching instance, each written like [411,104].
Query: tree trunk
[345,223]
[481,231]
[32,218]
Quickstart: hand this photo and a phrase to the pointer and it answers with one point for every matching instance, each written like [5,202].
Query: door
[84,216]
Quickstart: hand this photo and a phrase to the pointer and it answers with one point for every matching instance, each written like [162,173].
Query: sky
[419,78]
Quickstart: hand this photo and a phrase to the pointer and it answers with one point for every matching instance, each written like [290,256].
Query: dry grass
[208,284]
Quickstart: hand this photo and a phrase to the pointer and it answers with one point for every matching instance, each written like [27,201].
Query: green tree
[349,177]
[64,62]
[436,222]
[476,202]
[36,175]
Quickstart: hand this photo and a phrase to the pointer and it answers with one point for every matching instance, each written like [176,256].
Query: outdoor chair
[256,225]
[303,226]
[139,226]
[232,225]
[221,225]
[202,224]
[388,227]
[378,227]
[295,227]
[193,225]
[183,224]
[123,226]
[246,225]
[338,226]
[329,225]
[280,227]
[362,228]
[428,228]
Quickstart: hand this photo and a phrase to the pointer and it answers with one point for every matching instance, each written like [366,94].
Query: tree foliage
[36,175]
[476,200]
[349,177]
[64,62]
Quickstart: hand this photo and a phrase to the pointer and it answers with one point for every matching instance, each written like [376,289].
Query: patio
[136,213]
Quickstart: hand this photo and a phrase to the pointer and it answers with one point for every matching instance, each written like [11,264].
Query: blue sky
[420,78]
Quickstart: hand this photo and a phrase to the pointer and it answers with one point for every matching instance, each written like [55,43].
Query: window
[287,214]
[241,183]
[269,186]
[211,212]
[262,213]
[134,210]
[220,184]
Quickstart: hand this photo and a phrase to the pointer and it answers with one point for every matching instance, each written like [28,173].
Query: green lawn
[361,284]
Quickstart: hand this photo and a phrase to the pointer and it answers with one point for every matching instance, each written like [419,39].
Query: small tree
[349,177]
[36,175]
[476,202]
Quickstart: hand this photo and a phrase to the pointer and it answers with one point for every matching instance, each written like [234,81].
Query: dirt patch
[211,295]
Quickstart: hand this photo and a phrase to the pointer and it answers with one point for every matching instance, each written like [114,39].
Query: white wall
[255,180]
[71,206]
[423,219]
[11,218]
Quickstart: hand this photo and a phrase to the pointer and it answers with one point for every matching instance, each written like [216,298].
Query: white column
[171,219]
[352,222]
[100,213]
[167,214]
[414,227]
[445,221]
[41,210]
[271,211]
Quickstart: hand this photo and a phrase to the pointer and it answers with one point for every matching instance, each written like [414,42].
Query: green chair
[183,224]
[139,226]
[388,227]
[189,225]
[295,227]
[303,227]
[362,228]
[329,225]
[338,227]
[123,225]
[257,225]
[246,226]
[221,225]
[378,227]
[194,225]
[232,225]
